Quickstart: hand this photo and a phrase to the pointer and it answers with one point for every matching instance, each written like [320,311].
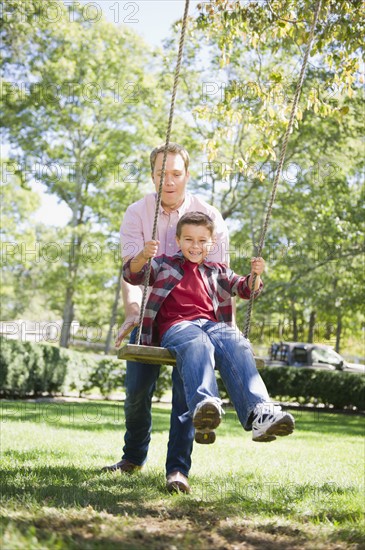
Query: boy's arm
[135,268]
[148,251]
[242,285]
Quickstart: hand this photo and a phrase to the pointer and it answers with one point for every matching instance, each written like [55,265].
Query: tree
[257,50]
[18,236]
[79,120]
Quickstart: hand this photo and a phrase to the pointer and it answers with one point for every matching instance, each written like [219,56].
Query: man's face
[176,178]
[195,242]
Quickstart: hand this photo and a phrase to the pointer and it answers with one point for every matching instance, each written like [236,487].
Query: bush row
[340,389]
[31,369]
[27,368]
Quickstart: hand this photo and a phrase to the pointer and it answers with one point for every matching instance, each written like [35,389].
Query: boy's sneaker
[207,416]
[269,421]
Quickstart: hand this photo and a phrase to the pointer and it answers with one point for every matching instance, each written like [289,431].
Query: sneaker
[269,421]
[207,416]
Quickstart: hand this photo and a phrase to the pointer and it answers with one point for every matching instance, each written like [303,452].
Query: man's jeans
[140,384]
[199,345]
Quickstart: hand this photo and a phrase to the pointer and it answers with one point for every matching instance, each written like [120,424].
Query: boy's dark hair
[195,218]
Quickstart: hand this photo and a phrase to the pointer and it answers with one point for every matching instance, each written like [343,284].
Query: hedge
[31,369]
[28,368]
[340,389]
[304,385]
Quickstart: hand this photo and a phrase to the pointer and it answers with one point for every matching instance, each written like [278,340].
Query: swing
[158,355]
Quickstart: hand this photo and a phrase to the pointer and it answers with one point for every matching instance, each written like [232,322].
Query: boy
[190,307]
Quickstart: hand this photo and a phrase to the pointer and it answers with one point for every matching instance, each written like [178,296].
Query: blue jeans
[140,384]
[199,345]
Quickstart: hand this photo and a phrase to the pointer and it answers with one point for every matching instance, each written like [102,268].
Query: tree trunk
[295,324]
[114,311]
[68,309]
[338,331]
[68,316]
[328,331]
[262,332]
[312,322]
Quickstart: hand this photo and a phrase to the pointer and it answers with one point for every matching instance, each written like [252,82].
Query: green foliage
[23,364]
[164,381]
[108,376]
[56,365]
[340,389]
[255,51]
[241,61]
[28,368]
[81,128]
[33,369]
[80,368]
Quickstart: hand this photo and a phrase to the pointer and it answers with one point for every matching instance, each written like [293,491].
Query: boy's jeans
[200,344]
[140,383]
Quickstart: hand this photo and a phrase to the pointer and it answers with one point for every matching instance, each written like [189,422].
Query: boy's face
[195,242]
[176,178]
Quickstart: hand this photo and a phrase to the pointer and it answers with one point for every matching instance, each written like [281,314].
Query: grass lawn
[305,491]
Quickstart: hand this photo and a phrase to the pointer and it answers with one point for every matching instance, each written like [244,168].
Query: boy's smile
[195,242]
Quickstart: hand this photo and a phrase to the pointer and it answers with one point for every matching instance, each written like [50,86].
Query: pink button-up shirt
[137,227]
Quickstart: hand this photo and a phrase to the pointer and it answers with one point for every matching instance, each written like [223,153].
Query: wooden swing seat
[155,355]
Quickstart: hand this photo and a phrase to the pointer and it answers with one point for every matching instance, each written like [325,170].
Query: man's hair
[173,148]
[195,218]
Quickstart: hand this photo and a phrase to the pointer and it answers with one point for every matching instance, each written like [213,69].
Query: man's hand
[127,327]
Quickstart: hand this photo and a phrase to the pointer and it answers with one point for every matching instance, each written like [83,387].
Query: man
[141,378]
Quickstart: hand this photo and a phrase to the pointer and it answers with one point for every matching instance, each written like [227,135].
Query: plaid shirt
[166,271]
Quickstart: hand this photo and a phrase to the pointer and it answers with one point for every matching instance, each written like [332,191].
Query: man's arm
[149,251]
[132,295]
[220,251]
[131,243]
[132,298]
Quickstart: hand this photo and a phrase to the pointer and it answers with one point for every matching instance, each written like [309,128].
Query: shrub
[164,381]
[29,368]
[108,376]
[340,389]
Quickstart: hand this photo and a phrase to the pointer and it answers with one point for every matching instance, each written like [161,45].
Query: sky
[151,19]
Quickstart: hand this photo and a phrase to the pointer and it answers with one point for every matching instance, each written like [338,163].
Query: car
[315,356]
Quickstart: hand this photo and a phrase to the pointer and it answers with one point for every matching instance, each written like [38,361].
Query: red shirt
[188,300]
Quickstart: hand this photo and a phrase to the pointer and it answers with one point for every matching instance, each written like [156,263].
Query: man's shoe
[207,416]
[269,421]
[124,466]
[176,482]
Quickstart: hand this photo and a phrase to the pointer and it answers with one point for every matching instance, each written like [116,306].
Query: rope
[281,162]
[162,179]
